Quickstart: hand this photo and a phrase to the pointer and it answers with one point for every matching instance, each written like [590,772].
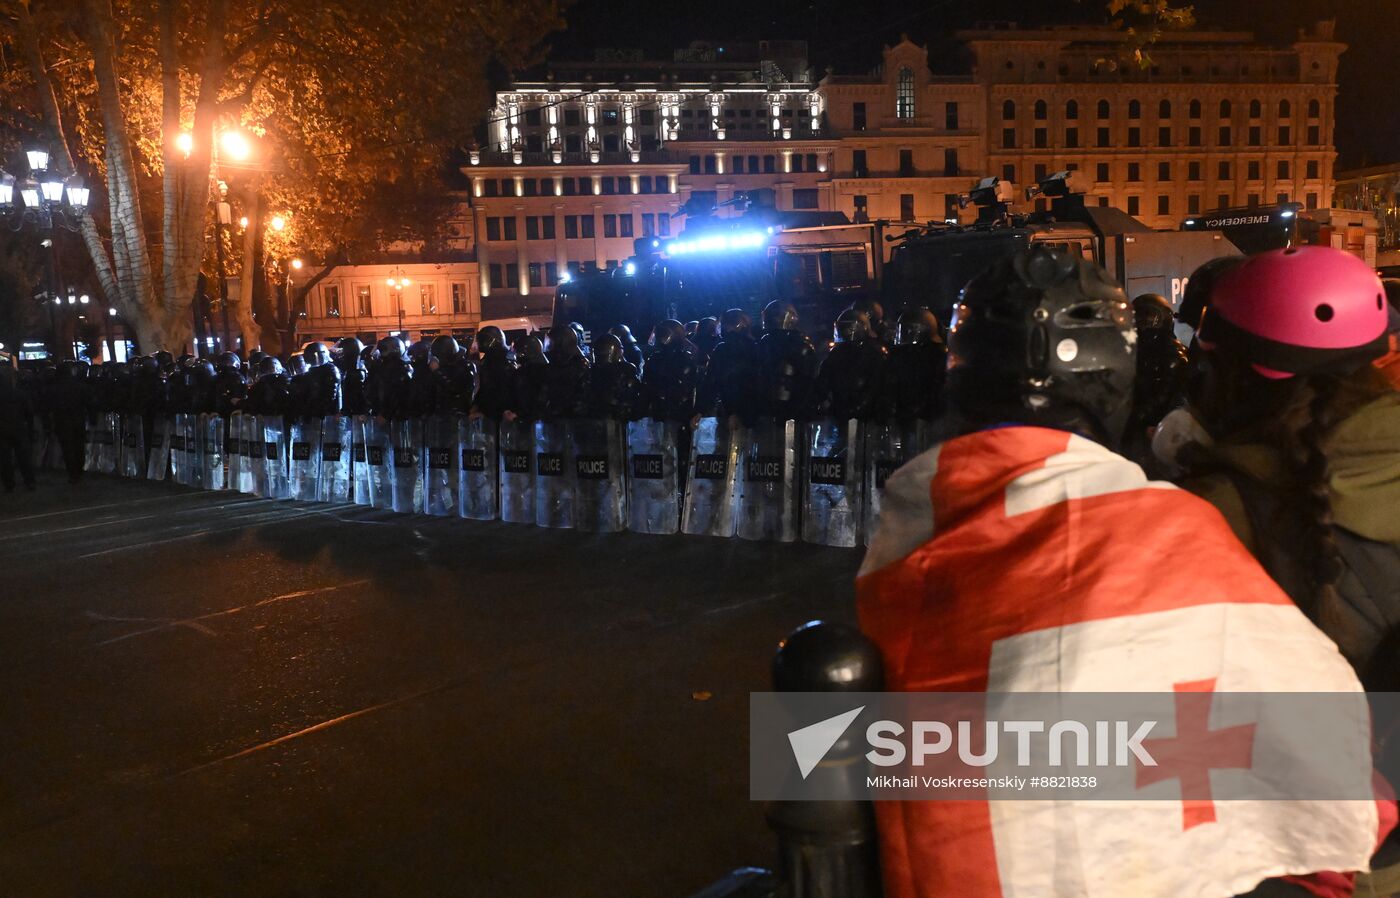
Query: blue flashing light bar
[711,243]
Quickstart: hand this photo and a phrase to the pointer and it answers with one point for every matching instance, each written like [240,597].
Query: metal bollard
[828,849]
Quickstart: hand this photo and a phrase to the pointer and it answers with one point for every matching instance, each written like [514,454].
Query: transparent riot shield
[250,450]
[554,475]
[768,491]
[90,445]
[194,450]
[235,448]
[517,444]
[38,443]
[476,477]
[273,482]
[334,482]
[887,448]
[109,442]
[833,482]
[599,448]
[179,457]
[406,468]
[133,451]
[304,458]
[653,466]
[158,462]
[441,471]
[378,463]
[359,461]
[213,461]
[712,487]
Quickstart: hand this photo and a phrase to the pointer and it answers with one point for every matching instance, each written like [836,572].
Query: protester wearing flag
[1026,556]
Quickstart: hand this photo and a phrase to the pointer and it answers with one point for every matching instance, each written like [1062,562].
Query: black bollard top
[825,657]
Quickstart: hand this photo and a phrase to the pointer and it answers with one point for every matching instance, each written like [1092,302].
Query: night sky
[849,35]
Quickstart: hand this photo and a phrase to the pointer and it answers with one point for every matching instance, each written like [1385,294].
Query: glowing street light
[184,142]
[297,263]
[235,145]
[278,222]
[243,222]
[84,299]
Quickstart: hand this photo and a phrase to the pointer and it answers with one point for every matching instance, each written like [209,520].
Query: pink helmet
[1303,310]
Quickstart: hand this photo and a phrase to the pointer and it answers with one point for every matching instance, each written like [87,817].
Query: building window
[663,224]
[860,202]
[570,227]
[609,225]
[490,186]
[1282,197]
[1008,138]
[906,163]
[508,228]
[1102,137]
[1314,136]
[811,161]
[710,165]
[459,299]
[1164,137]
[1134,171]
[532,228]
[1164,205]
[1072,109]
[330,295]
[1104,109]
[804,198]
[1008,111]
[1283,170]
[1008,173]
[648,224]
[695,165]
[529,184]
[1312,201]
[1134,205]
[858,166]
[1042,138]
[1224,136]
[950,162]
[536,274]
[1193,204]
[1072,138]
[1164,109]
[1285,135]
[1252,200]
[363,307]
[1224,108]
[950,116]
[1041,110]
[512,276]
[1222,172]
[1164,171]
[498,281]
[1313,169]
[1255,170]
[770,164]
[1256,137]
[1314,109]
[585,227]
[1285,109]
[624,225]
[493,228]
[1101,172]
[738,164]
[906,207]
[904,96]
[1194,110]
[858,116]
[1256,109]
[1193,136]
[1134,109]
[427,299]
[551,273]
[1134,137]
[1193,171]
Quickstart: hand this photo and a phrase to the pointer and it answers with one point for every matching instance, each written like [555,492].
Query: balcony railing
[646,157]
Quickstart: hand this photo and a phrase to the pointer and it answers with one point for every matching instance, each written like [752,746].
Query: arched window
[1134,109]
[1224,108]
[1255,108]
[1164,109]
[1314,109]
[1041,110]
[1072,109]
[1285,109]
[904,96]
[1195,109]
[1103,109]
[1008,110]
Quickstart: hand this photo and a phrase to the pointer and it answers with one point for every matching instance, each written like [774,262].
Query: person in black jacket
[495,374]
[16,424]
[670,378]
[729,387]
[389,382]
[787,363]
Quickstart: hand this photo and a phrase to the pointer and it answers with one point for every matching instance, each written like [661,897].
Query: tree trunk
[243,307]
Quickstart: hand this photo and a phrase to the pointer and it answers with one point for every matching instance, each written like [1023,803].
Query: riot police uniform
[787,363]
[913,383]
[670,378]
[495,374]
[729,385]
[613,388]
[848,382]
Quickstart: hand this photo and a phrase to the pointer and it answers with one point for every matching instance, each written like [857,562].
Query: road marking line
[87,508]
[124,521]
[240,525]
[194,622]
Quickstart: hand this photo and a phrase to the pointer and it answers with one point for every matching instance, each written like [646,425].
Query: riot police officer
[495,374]
[316,391]
[1161,374]
[707,337]
[567,374]
[389,380]
[613,388]
[528,400]
[670,378]
[353,399]
[728,388]
[424,389]
[229,388]
[848,382]
[455,375]
[269,393]
[787,363]
[913,384]
[631,349]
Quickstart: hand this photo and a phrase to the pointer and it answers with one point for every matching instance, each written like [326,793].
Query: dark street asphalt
[211,694]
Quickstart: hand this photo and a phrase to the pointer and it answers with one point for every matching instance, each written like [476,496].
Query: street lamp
[397,281]
[41,194]
[278,223]
[297,263]
[184,142]
[235,146]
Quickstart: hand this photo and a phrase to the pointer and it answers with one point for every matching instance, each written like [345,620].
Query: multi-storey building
[1375,189]
[584,160]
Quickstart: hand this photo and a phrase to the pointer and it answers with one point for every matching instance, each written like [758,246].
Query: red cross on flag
[1028,560]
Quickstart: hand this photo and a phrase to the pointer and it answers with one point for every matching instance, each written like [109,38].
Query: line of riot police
[720,427]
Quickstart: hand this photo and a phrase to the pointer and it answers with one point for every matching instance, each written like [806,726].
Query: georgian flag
[1024,559]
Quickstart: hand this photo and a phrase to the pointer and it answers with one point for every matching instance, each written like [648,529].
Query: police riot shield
[406,466]
[38,443]
[476,477]
[334,482]
[179,456]
[249,452]
[90,445]
[133,450]
[272,482]
[109,442]
[303,459]
[236,449]
[194,450]
[442,467]
[599,447]
[887,448]
[711,487]
[517,445]
[768,488]
[832,504]
[158,462]
[379,477]
[653,489]
[554,475]
[360,490]
[213,460]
